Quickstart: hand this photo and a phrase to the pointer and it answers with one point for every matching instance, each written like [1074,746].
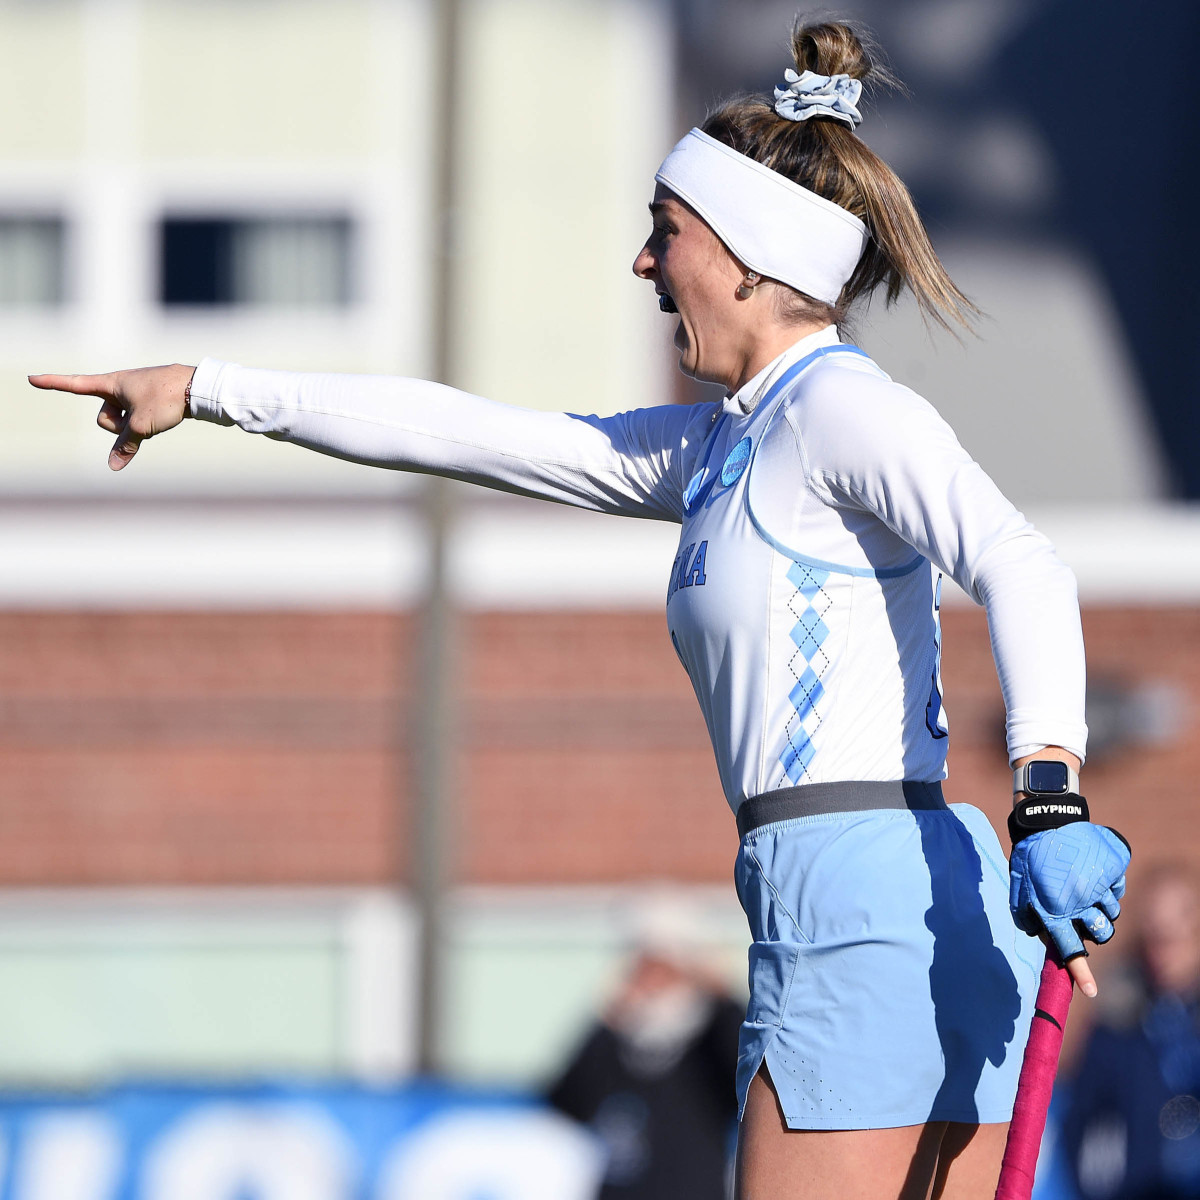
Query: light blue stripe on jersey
[833,568]
[816,563]
[697,490]
[804,363]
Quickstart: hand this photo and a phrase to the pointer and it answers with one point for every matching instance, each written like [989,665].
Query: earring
[747,286]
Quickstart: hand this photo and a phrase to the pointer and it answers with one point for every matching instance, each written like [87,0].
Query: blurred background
[343,818]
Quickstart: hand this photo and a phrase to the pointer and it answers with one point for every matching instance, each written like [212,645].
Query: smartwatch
[1051,798]
[1045,777]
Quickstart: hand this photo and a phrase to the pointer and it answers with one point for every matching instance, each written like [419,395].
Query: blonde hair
[827,157]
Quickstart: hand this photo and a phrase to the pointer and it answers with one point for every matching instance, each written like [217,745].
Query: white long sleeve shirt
[818,506]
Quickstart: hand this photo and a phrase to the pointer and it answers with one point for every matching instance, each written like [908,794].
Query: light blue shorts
[888,984]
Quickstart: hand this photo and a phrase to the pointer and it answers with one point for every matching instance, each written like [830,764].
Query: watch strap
[1036,813]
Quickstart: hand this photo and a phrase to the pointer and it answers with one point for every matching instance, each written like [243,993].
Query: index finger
[80,385]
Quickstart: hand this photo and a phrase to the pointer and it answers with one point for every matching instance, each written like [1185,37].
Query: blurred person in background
[890,992]
[654,1077]
[1132,1127]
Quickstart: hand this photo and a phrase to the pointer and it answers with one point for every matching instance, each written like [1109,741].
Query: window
[31,260]
[264,261]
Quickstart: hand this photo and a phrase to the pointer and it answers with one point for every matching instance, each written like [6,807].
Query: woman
[890,991]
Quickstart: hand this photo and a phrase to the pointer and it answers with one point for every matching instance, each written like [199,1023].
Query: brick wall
[201,748]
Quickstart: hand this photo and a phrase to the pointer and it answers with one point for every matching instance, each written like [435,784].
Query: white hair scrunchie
[813,95]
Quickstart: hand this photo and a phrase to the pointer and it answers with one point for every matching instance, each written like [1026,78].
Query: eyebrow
[656,207]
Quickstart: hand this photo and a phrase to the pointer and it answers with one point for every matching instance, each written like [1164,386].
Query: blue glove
[1069,882]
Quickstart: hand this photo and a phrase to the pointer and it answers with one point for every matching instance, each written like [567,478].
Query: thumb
[1065,937]
[124,448]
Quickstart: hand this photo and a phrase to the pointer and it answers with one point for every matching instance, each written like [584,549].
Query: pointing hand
[138,404]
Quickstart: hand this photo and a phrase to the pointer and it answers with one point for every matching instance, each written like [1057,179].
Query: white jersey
[818,505]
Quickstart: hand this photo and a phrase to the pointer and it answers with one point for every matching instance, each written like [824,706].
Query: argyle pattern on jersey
[808,605]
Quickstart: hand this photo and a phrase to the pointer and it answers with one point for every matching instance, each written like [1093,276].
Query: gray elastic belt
[814,799]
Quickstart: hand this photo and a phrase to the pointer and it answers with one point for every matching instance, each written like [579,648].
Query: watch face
[1048,777]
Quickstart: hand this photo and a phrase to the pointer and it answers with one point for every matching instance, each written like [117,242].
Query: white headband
[770,224]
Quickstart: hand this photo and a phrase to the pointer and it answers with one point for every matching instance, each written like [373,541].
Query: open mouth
[666,304]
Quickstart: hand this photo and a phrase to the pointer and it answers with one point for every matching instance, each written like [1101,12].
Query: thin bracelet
[187,398]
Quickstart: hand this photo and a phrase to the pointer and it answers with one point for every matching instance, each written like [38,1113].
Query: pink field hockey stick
[1036,1083]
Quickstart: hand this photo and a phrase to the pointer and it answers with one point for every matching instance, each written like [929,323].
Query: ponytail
[828,158]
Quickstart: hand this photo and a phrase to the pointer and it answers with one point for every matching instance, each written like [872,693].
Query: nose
[645,266]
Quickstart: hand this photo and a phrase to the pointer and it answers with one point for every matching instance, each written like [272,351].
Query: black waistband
[814,799]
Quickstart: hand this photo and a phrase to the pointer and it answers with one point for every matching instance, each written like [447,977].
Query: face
[687,263]
[1170,934]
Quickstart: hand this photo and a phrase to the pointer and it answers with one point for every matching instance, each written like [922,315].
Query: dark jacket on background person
[666,1114]
[1132,1128]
